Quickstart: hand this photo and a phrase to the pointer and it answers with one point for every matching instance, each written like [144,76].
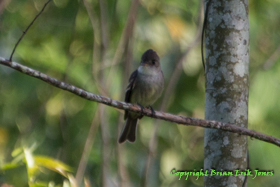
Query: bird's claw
[142,109]
[152,110]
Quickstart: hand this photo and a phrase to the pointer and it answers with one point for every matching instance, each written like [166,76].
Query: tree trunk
[226,99]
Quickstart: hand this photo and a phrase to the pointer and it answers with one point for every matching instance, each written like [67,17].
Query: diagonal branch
[272,59]
[24,32]
[135,108]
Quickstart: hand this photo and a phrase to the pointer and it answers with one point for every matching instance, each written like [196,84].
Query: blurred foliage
[60,43]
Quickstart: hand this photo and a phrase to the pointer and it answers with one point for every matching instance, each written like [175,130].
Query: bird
[145,86]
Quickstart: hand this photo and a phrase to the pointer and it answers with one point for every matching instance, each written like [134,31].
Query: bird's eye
[153,62]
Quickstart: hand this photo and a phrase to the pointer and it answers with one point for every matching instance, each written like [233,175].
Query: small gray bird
[144,88]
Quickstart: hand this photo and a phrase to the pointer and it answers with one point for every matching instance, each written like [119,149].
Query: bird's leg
[142,110]
[152,110]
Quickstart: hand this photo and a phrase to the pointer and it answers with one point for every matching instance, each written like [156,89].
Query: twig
[103,113]
[87,148]
[164,104]
[95,123]
[24,32]
[103,24]
[126,34]
[3,5]
[272,59]
[135,108]
[96,46]
[122,169]
[124,178]
[126,42]
[207,5]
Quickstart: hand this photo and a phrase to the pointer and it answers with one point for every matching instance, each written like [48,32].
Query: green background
[45,122]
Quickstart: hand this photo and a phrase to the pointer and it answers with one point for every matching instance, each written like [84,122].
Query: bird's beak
[144,64]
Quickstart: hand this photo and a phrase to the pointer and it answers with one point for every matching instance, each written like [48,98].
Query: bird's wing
[129,89]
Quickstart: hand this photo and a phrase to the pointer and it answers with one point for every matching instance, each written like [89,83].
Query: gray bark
[226,99]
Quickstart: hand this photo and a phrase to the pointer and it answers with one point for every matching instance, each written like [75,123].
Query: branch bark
[135,108]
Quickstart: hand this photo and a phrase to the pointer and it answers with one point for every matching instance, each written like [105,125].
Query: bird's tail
[129,130]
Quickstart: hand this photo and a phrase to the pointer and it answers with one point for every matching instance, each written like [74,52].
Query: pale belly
[147,90]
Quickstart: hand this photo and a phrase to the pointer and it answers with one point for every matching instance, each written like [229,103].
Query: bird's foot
[152,110]
[142,109]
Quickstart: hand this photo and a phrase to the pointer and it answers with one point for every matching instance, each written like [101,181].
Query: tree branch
[272,59]
[24,32]
[135,108]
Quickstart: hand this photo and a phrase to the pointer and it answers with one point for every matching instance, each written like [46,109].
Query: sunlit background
[95,45]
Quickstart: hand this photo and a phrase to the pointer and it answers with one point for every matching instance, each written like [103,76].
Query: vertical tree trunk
[226,99]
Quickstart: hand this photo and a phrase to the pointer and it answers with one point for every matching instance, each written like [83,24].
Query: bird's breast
[148,86]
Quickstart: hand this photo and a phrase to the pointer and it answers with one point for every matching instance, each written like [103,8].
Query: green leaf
[10,165]
[52,164]
[17,151]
